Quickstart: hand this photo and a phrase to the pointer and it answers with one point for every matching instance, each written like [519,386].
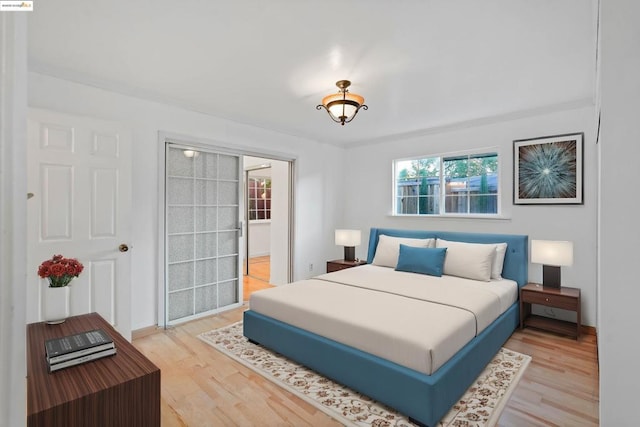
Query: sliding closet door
[202,233]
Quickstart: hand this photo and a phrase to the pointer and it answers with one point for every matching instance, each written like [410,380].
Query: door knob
[123,248]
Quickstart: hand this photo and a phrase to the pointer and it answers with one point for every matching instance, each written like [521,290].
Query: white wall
[368,195]
[259,238]
[318,173]
[619,230]
[13,213]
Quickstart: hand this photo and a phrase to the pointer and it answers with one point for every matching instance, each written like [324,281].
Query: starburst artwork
[548,170]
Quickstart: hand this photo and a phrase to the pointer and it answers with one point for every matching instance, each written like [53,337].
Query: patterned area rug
[480,406]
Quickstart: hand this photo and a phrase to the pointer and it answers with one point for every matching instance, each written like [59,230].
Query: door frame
[196,143]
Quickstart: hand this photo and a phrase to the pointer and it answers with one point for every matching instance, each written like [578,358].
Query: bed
[423,388]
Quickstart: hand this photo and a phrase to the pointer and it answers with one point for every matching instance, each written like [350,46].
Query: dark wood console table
[119,390]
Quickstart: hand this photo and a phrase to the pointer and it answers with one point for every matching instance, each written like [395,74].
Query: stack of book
[79,348]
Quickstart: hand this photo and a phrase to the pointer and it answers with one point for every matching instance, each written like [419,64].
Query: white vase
[55,304]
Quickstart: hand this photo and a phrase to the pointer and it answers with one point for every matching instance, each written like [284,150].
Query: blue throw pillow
[421,260]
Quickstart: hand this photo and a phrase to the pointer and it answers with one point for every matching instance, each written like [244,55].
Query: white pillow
[388,249]
[469,260]
[498,261]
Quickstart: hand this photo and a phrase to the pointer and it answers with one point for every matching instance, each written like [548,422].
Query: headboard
[516,260]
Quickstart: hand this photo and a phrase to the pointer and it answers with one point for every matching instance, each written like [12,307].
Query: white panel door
[79,175]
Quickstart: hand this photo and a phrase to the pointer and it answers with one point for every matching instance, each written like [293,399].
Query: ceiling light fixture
[342,106]
[190,153]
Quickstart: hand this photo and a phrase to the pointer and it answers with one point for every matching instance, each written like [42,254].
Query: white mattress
[450,290]
[414,320]
[506,290]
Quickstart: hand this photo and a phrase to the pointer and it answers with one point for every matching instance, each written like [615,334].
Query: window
[259,198]
[454,184]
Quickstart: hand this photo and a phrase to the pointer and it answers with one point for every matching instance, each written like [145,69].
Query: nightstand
[340,264]
[564,298]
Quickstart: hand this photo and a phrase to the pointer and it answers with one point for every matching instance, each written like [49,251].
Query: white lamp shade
[338,111]
[348,237]
[552,252]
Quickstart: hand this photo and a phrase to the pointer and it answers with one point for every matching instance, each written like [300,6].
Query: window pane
[453,186]
[428,205]
[456,204]
[484,184]
[407,205]
[455,167]
[484,204]
[259,198]
[484,170]
[414,180]
[487,162]
[470,185]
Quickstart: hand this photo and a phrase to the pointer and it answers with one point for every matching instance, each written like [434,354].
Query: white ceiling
[419,64]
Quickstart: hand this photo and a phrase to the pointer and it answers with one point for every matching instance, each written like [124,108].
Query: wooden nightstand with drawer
[563,298]
[340,264]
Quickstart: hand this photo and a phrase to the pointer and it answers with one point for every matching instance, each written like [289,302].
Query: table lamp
[552,255]
[349,239]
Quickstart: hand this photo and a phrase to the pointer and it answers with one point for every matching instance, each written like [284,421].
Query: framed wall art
[548,170]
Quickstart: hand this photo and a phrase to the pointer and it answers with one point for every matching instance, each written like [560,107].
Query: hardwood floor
[258,278]
[561,384]
[260,268]
[202,387]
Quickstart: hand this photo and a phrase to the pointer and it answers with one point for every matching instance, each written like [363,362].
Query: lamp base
[349,253]
[551,276]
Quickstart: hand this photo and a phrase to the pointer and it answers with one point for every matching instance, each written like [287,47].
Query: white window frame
[249,199]
[442,194]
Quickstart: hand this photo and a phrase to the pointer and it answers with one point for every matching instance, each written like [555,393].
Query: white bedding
[414,320]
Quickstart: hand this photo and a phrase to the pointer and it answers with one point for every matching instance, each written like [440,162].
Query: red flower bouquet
[60,270]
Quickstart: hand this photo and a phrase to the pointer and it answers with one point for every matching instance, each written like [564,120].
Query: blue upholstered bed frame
[423,398]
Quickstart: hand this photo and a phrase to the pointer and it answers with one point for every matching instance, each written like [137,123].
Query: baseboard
[144,332]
